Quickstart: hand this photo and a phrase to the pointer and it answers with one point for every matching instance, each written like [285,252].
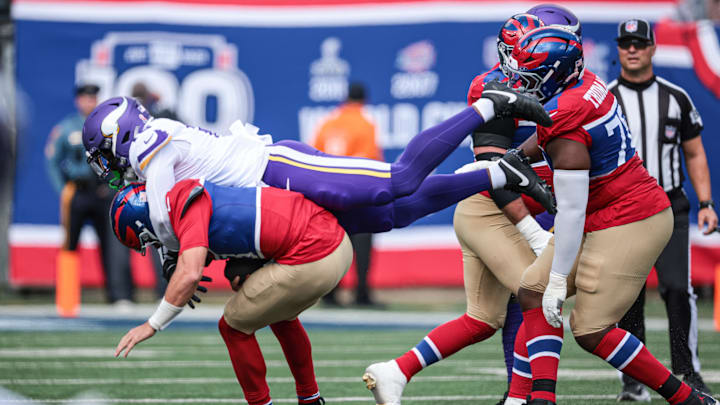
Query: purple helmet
[552,14]
[108,132]
[130,218]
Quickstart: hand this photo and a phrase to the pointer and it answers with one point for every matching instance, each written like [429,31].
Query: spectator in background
[665,125]
[349,132]
[84,197]
[151,101]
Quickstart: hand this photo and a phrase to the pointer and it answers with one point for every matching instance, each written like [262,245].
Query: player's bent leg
[338,183]
[278,292]
[544,341]
[427,149]
[297,349]
[481,228]
[248,363]
[601,301]
[436,193]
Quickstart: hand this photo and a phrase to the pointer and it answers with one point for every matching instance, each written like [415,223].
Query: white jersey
[168,151]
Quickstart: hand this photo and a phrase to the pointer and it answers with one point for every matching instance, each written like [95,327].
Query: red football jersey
[621,190]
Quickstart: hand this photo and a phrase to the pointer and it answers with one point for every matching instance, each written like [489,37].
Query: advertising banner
[284,67]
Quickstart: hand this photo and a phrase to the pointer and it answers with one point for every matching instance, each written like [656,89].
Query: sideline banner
[283,65]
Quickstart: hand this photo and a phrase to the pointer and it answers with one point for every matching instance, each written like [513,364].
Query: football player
[497,233]
[307,244]
[613,221]
[120,134]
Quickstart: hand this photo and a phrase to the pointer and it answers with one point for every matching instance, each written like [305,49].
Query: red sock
[298,353]
[625,352]
[544,343]
[248,363]
[521,382]
[443,341]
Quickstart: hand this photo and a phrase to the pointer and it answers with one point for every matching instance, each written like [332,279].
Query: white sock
[485,108]
[497,176]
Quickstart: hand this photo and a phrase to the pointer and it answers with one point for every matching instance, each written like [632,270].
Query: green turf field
[185,366]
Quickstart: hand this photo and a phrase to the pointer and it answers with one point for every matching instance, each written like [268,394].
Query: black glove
[200,288]
[508,103]
[242,267]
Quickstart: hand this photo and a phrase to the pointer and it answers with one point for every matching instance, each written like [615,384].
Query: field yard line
[99,401]
[605,374]
[120,364]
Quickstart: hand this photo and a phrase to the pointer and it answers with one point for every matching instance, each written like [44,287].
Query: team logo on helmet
[109,126]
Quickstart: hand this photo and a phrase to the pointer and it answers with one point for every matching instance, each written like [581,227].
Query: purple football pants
[343,183]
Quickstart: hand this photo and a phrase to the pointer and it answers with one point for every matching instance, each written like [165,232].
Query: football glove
[553,298]
[169,264]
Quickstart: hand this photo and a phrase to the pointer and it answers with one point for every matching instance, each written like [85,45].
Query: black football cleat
[522,178]
[695,381]
[319,401]
[698,398]
[634,392]
[509,103]
[538,401]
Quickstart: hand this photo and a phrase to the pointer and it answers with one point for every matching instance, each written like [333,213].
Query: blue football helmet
[513,29]
[546,61]
[130,218]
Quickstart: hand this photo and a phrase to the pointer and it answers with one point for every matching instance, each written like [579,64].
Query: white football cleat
[514,401]
[386,382]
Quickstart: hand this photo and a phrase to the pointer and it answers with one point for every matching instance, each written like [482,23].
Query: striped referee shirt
[660,116]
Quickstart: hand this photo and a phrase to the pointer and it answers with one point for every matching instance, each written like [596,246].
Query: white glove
[537,237]
[474,166]
[553,298]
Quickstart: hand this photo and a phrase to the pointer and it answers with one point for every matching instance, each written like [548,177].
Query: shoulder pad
[194,193]
[149,143]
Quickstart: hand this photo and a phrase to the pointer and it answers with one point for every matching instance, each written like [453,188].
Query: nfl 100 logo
[194,75]
[631,26]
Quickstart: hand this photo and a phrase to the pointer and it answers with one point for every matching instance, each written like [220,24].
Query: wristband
[707,204]
[164,314]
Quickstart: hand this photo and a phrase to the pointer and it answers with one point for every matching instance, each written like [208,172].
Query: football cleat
[538,401]
[319,401]
[698,398]
[508,103]
[694,380]
[386,382]
[522,178]
[634,391]
[514,401]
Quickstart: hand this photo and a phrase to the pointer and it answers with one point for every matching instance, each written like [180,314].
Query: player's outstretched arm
[182,286]
[508,103]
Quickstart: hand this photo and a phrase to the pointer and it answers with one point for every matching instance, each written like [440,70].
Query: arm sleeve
[571,193]
[160,176]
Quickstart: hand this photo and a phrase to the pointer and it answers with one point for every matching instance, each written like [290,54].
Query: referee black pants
[673,270]
[92,205]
